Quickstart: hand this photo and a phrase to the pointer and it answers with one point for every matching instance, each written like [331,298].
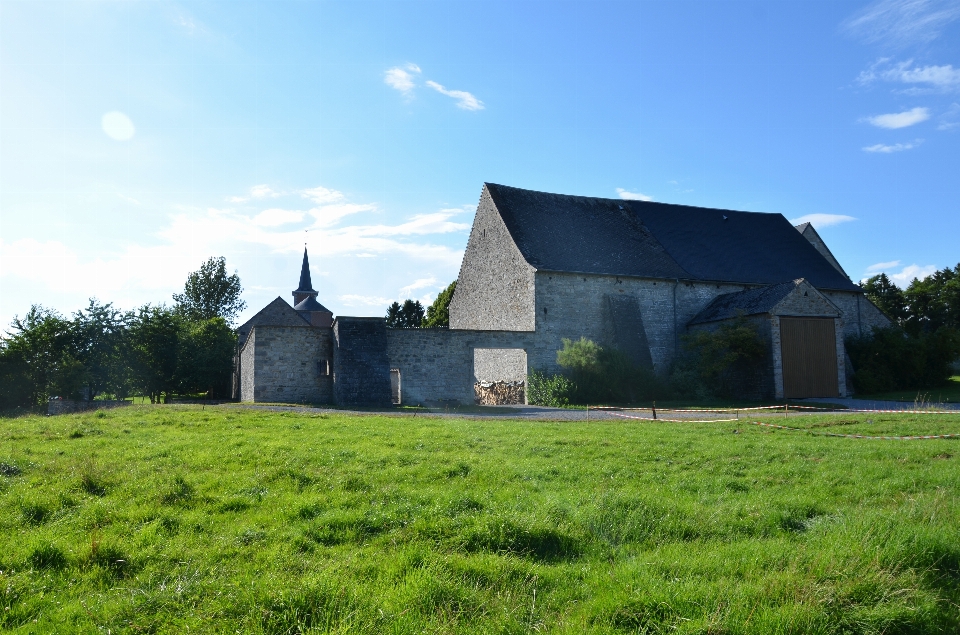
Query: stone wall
[859,314]
[499,364]
[361,369]
[284,363]
[495,288]
[574,305]
[437,365]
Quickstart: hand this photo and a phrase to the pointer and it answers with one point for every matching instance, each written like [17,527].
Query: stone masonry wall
[247,367]
[286,365]
[857,322]
[495,288]
[572,306]
[438,364]
[361,369]
[499,364]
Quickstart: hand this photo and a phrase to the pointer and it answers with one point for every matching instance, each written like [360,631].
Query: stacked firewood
[498,393]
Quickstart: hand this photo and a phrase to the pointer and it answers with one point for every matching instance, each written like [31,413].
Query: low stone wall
[499,393]
[57,406]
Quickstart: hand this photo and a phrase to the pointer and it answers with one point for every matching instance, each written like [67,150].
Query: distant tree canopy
[209,292]
[407,315]
[917,353]
[438,313]
[924,306]
[155,350]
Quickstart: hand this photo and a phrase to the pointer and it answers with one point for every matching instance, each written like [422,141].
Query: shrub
[889,359]
[601,374]
[548,390]
[727,361]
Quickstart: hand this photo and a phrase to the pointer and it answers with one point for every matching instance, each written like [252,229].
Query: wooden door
[808,349]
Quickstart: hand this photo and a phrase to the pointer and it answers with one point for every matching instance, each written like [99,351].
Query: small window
[323,368]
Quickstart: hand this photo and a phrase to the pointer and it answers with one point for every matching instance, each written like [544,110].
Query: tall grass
[164,519]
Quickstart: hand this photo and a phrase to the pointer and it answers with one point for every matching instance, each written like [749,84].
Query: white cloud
[935,78]
[401,79]
[263,191]
[365,300]
[906,276]
[902,22]
[464,99]
[117,126]
[422,283]
[632,196]
[901,119]
[950,120]
[883,266]
[275,217]
[896,147]
[321,195]
[823,220]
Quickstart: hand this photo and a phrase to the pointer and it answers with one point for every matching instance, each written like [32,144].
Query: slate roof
[277,313]
[748,302]
[557,232]
[311,304]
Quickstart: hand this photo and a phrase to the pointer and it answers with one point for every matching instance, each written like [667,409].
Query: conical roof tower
[305,298]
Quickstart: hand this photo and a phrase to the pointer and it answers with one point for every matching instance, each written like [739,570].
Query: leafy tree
[40,350]
[407,315]
[209,292]
[154,343]
[934,302]
[438,313]
[887,296]
[101,345]
[205,357]
[890,359]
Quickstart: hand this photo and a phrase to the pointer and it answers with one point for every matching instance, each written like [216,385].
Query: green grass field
[167,519]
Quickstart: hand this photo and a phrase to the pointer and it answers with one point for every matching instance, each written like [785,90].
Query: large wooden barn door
[809,351]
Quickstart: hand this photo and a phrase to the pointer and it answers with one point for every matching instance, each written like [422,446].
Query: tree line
[412,315]
[156,350]
[921,349]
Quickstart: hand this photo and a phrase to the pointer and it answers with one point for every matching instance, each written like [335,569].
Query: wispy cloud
[464,99]
[922,79]
[950,120]
[900,119]
[883,148]
[823,220]
[256,192]
[274,217]
[632,196]
[322,195]
[902,22]
[402,79]
[422,283]
[883,266]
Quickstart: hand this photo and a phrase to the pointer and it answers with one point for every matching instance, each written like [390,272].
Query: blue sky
[138,139]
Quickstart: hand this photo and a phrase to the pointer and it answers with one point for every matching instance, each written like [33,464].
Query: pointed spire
[305,289]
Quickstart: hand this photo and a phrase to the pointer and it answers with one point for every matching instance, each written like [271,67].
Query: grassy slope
[157,519]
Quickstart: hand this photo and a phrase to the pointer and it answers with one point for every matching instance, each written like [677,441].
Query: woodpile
[499,393]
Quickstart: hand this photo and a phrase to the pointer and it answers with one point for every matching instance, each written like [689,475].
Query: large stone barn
[538,268]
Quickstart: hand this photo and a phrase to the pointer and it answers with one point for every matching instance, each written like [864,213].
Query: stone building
[541,267]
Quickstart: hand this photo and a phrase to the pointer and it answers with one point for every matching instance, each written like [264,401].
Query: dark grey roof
[311,304]
[277,313]
[306,286]
[748,302]
[557,232]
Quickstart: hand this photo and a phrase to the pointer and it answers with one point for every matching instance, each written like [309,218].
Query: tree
[407,315]
[438,313]
[934,302]
[100,343]
[40,351]
[209,292]
[155,343]
[205,357]
[887,296]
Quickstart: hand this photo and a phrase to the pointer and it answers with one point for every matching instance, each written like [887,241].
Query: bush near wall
[890,359]
[728,361]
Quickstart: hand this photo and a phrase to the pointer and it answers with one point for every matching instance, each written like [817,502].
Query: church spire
[305,290]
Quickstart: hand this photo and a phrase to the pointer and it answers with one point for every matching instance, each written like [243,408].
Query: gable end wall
[495,288]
